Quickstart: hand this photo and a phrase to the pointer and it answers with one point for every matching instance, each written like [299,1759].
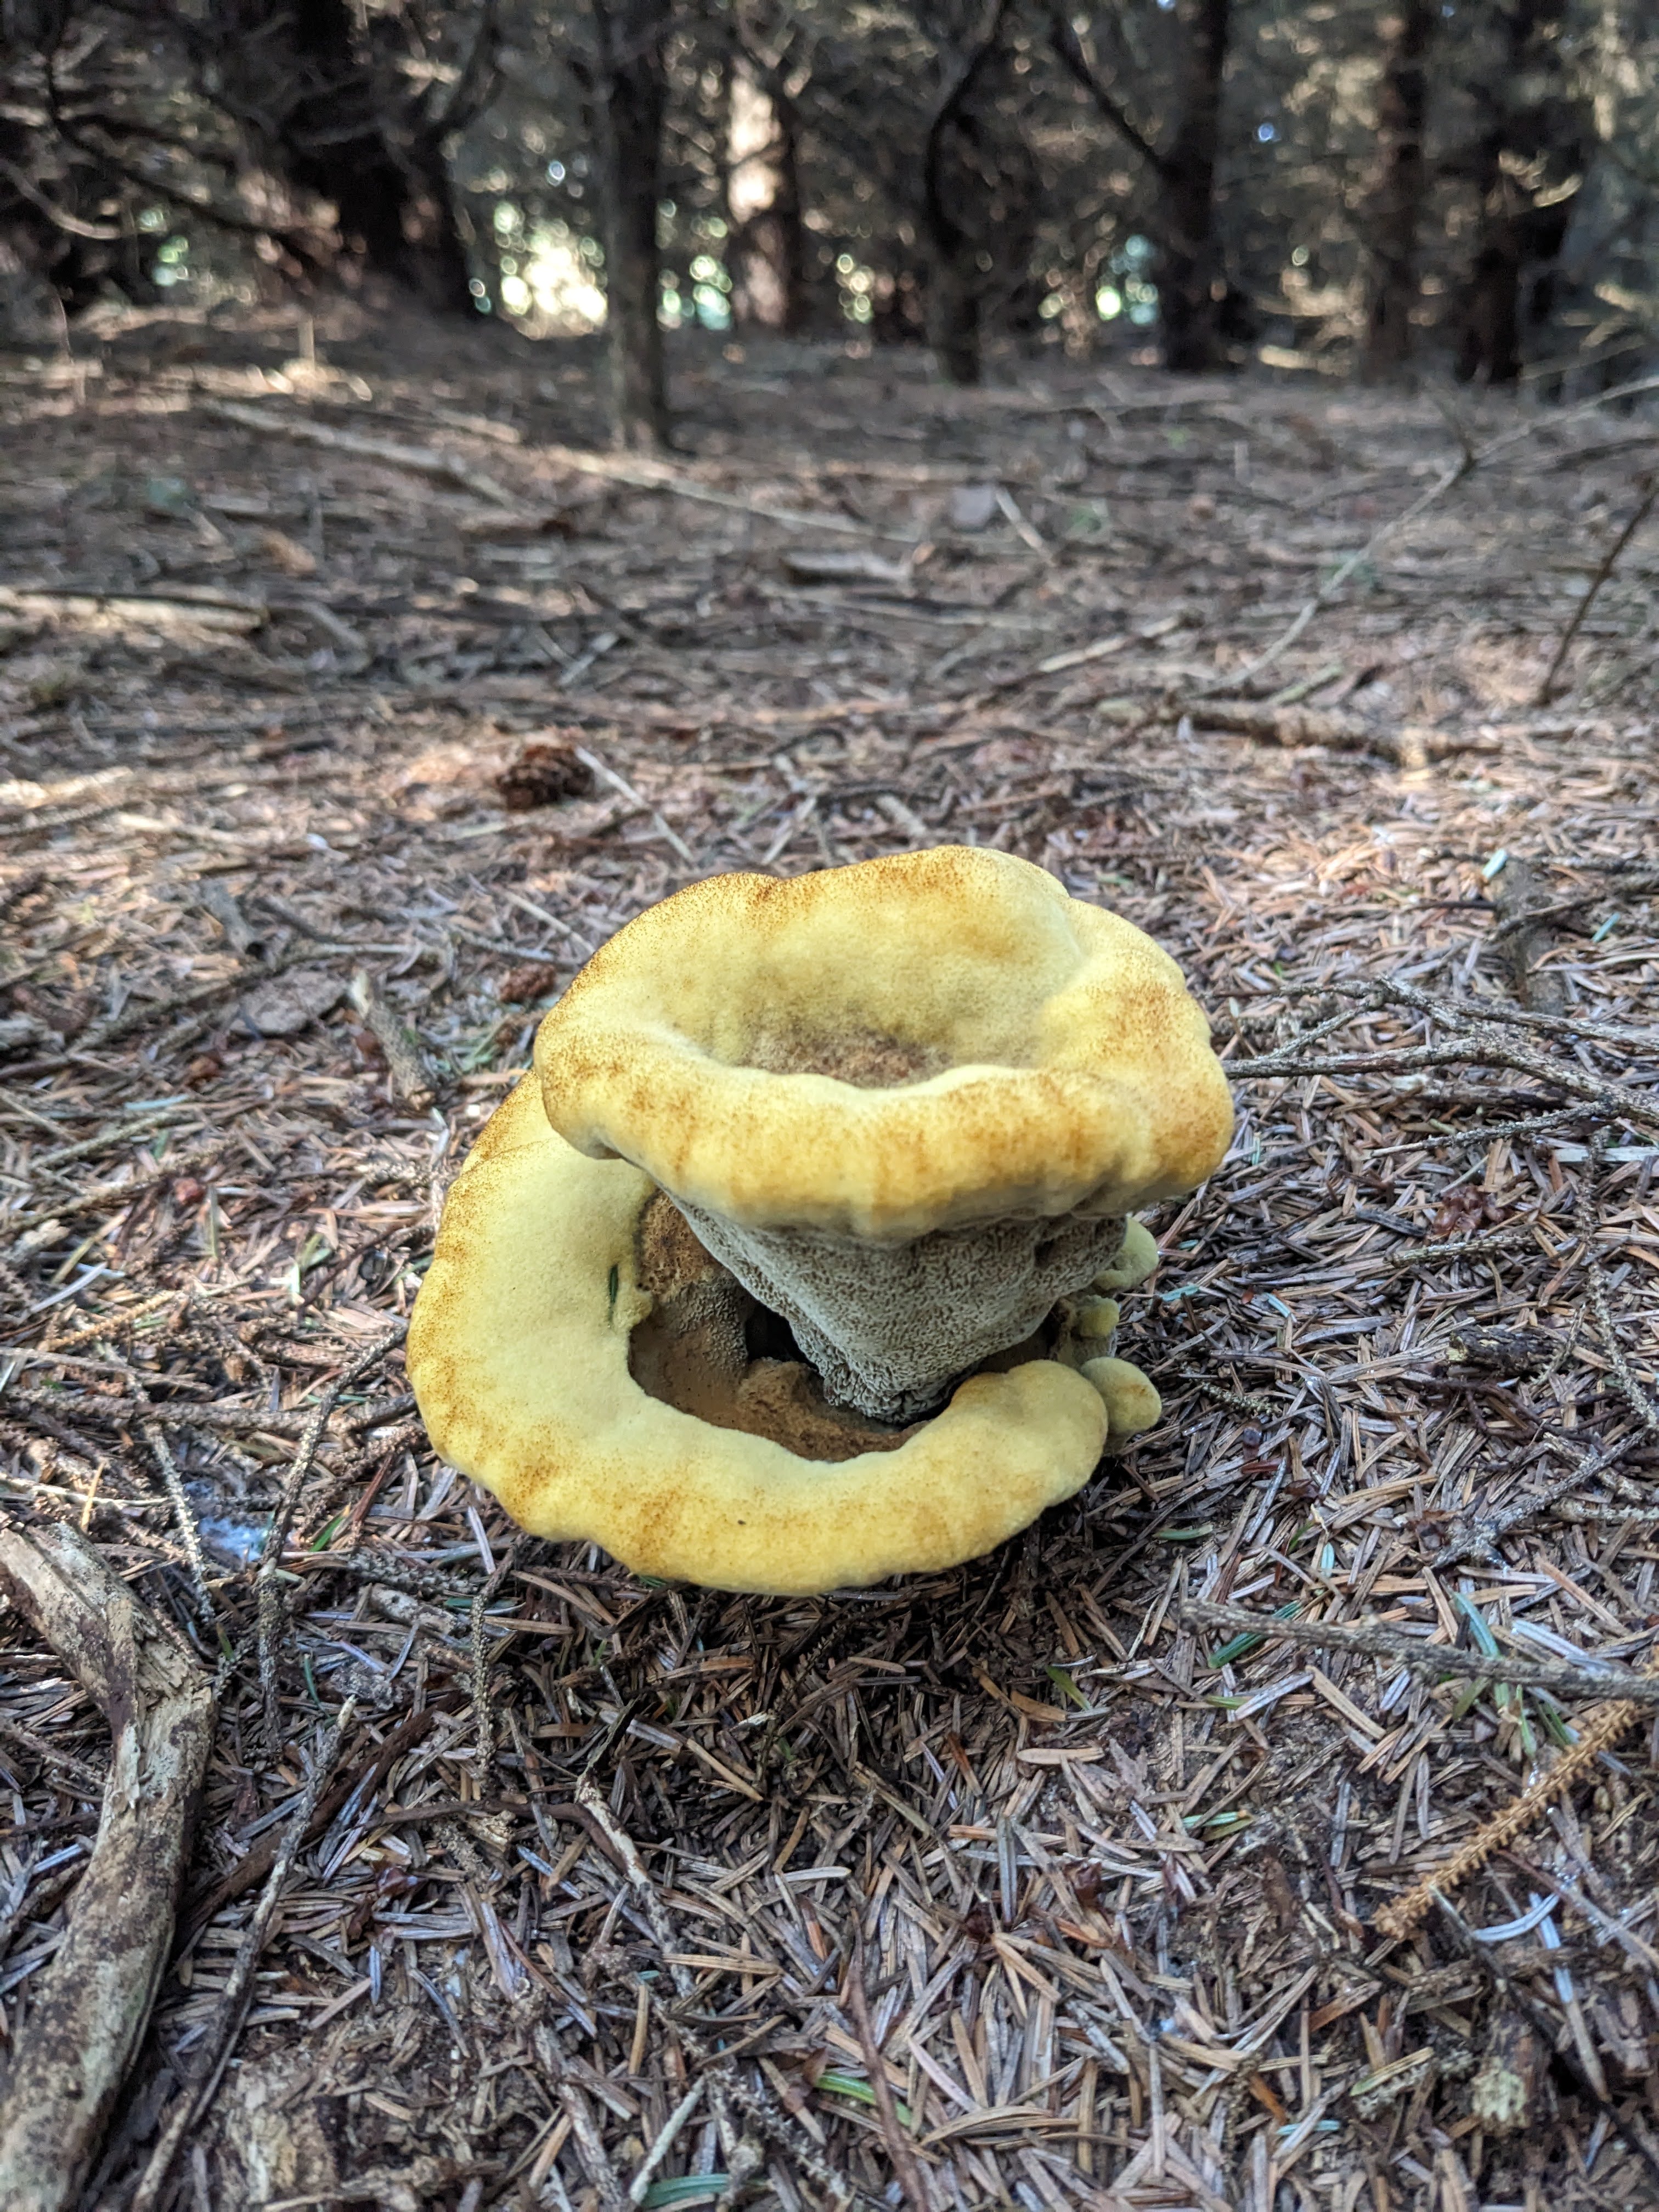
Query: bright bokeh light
[555,284]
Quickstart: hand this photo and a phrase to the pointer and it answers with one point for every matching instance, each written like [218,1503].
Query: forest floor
[1108,1869]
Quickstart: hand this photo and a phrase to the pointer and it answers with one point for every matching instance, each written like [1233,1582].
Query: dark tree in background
[1345,187]
[314,86]
[300,125]
[65,228]
[977,190]
[629,102]
[1526,166]
[1192,284]
[1395,206]
[1199,306]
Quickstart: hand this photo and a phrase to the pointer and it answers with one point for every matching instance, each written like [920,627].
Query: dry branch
[89,2015]
[1376,1639]
[1609,561]
[1602,1728]
[194,2100]
[1520,893]
[268,1595]
[229,614]
[1409,746]
[900,2149]
[1468,460]
[420,460]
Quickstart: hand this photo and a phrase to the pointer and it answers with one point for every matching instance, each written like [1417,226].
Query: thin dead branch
[1379,1641]
[89,2015]
[1649,490]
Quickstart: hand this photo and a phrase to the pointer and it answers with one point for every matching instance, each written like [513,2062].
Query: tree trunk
[1396,197]
[953,315]
[1524,163]
[767,247]
[1191,289]
[959,176]
[952,300]
[630,103]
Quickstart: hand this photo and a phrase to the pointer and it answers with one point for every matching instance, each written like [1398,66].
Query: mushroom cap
[907,1044]
[518,1353]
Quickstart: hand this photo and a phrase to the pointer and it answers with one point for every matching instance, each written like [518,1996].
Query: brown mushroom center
[711,1350]
[870,1059]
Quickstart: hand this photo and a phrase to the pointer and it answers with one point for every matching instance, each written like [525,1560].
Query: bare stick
[114,1194]
[666,2139]
[1521,894]
[189,1536]
[1485,1045]
[1602,1728]
[483,1709]
[1468,460]
[420,460]
[1638,1399]
[1463,1014]
[1339,576]
[1377,1640]
[627,791]
[1609,561]
[93,2005]
[76,1768]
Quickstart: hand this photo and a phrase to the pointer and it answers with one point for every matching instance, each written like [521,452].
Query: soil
[1109,1878]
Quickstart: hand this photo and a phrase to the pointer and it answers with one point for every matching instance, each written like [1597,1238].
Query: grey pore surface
[890,1329]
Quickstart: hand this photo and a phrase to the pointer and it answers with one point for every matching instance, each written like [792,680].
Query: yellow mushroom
[767,1279]
[1133,1263]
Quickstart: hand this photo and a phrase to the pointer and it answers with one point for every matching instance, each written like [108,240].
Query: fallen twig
[89,2014]
[900,2149]
[408,1066]
[249,1872]
[420,460]
[269,1594]
[115,1194]
[1377,1640]
[1650,486]
[626,790]
[1469,459]
[1410,745]
[1600,1729]
[1521,894]
[220,612]
[1485,1045]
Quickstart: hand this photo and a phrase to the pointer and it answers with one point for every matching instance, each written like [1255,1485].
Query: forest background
[1336,187]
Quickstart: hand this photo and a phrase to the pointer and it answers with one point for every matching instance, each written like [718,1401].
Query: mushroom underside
[710,1348]
[522,1350]
[890,1329]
